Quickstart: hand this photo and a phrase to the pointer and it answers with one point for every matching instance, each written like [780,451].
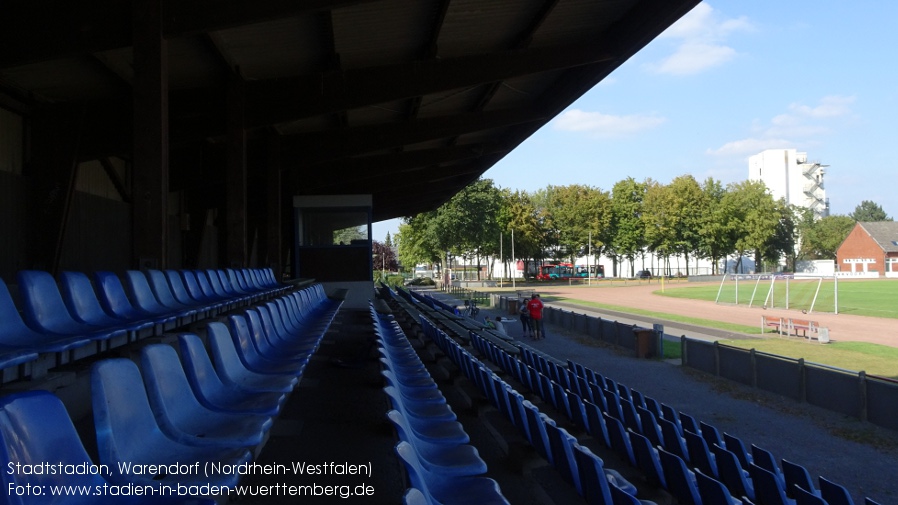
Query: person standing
[535,307]
[524,314]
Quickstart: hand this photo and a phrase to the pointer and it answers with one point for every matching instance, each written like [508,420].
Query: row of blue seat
[575,463]
[442,466]
[689,458]
[213,405]
[79,317]
[628,411]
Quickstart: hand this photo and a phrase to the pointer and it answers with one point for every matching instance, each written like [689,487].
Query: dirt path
[842,327]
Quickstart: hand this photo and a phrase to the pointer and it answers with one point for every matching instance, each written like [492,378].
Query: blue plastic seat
[764,459]
[446,459]
[834,494]
[202,280]
[561,444]
[424,410]
[232,371]
[796,475]
[591,471]
[668,413]
[673,439]
[36,429]
[177,282]
[680,480]
[81,300]
[767,487]
[265,343]
[448,490]
[621,497]
[711,435]
[804,497]
[712,491]
[127,432]
[141,295]
[215,394]
[699,454]
[182,417]
[653,406]
[192,285]
[647,459]
[620,442]
[250,356]
[536,424]
[21,344]
[730,472]
[650,428]
[435,429]
[688,423]
[165,293]
[735,445]
[596,423]
[630,416]
[115,301]
[45,311]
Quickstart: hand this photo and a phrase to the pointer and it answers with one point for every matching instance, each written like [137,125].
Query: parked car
[644,274]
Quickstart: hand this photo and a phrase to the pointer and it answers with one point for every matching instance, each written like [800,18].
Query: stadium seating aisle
[150,415]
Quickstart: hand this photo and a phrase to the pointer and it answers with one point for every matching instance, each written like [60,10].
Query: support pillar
[274,210]
[151,131]
[236,203]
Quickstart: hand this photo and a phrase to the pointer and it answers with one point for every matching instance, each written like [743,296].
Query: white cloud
[749,146]
[700,38]
[605,125]
[802,125]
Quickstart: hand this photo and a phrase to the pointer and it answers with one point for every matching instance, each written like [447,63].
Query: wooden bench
[777,323]
[805,326]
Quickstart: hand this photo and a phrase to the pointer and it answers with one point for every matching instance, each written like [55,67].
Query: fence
[855,394]
[479,297]
[644,342]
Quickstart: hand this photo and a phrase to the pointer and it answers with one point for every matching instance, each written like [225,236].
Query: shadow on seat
[182,417]
[36,430]
[215,394]
[128,435]
[448,490]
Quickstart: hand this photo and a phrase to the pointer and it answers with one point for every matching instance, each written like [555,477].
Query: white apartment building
[788,174]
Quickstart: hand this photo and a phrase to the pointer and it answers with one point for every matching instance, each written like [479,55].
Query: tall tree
[823,238]
[518,219]
[627,227]
[660,219]
[689,204]
[717,237]
[755,217]
[579,212]
[869,211]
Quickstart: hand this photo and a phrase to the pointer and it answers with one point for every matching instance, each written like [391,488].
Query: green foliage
[869,211]
[627,228]
[822,238]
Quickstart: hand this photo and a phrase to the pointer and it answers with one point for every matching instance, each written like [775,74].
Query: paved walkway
[860,456]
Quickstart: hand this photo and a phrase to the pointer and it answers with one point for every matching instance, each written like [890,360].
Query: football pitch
[863,297]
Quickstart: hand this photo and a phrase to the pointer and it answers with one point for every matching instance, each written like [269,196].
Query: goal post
[807,293]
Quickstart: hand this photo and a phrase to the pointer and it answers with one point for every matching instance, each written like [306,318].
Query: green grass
[738,328]
[869,297]
[874,359]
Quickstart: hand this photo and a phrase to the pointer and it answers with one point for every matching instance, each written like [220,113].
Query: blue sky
[728,80]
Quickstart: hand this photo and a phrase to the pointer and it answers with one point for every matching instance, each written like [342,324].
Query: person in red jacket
[535,307]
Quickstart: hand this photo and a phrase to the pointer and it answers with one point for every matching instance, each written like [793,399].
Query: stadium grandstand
[187,312]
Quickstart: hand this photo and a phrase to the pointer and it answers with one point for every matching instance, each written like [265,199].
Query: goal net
[803,293]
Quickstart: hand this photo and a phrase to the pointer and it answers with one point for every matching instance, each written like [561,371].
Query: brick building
[870,250]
